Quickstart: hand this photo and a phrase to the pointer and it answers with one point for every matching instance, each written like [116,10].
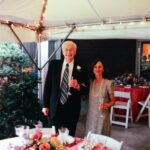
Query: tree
[19,102]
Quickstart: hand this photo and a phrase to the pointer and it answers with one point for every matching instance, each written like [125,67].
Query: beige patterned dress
[99,121]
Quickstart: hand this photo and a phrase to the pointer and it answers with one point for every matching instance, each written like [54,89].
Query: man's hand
[45,111]
[74,84]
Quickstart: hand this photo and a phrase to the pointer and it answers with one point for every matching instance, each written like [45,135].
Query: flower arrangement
[129,79]
[126,79]
[38,142]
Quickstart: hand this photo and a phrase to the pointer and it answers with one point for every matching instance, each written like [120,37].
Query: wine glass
[53,130]
[22,131]
[90,141]
[19,130]
[38,125]
[87,141]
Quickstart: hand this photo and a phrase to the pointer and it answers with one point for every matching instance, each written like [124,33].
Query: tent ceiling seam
[94,9]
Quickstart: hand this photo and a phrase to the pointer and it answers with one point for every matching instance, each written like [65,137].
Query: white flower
[79,68]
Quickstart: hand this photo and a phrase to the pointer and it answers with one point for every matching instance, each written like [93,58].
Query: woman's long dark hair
[91,74]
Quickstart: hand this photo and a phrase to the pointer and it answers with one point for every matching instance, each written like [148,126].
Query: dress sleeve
[110,87]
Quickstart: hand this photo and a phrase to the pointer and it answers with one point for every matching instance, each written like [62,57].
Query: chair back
[123,94]
[108,141]
[116,145]
[147,99]
[144,104]
[124,104]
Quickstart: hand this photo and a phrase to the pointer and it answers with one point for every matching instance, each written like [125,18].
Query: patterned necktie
[64,86]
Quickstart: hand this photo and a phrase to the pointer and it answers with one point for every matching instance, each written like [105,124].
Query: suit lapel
[74,70]
[58,75]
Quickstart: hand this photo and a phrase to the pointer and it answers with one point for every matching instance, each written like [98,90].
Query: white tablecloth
[11,143]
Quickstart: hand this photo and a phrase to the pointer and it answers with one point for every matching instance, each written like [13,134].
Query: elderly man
[65,82]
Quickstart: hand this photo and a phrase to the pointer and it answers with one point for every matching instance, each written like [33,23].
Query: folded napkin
[64,136]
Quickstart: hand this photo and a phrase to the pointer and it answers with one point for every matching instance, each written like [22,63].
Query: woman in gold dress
[101,98]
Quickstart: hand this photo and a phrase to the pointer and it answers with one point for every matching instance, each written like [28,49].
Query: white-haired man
[63,108]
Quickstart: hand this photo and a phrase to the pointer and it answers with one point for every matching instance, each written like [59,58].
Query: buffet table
[138,93]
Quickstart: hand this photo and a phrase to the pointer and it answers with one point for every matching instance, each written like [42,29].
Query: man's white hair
[69,43]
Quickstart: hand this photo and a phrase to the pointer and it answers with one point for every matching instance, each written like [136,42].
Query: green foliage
[12,59]
[19,102]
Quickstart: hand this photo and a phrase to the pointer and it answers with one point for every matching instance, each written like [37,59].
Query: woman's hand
[107,105]
[104,106]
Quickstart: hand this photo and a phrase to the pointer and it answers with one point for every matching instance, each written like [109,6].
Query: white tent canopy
[94,19]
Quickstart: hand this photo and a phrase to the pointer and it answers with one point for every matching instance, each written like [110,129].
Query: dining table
[15,142]
[138,93]
[108,143]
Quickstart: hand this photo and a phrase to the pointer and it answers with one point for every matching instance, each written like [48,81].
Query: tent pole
[23,47]
[73,27]
[39,71]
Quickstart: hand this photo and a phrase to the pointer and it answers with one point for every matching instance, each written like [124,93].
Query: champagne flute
[69,93]
[22,131]
[101,107]
[87,141]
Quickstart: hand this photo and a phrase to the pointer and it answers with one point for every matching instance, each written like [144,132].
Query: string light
[104,24]
[35,28]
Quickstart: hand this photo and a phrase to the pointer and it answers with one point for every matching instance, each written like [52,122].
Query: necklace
[95,90]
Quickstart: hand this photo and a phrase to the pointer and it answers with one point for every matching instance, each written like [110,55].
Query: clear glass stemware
[101,107]
[69,93]
[22,131]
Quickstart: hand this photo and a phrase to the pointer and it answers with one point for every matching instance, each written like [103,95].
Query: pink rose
[37,136]
[45,146]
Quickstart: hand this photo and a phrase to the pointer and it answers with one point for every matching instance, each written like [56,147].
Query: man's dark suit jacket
[51,96]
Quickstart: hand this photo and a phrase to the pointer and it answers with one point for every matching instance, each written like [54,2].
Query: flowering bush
[43,143]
